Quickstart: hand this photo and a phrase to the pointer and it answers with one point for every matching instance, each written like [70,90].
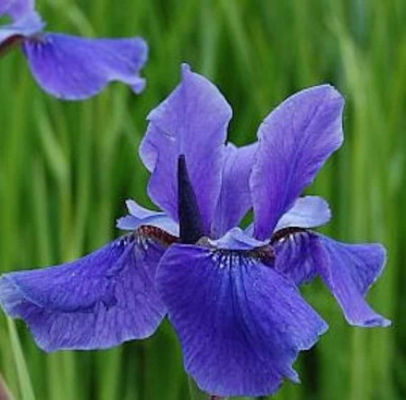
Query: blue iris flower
[231,294]
[70,67]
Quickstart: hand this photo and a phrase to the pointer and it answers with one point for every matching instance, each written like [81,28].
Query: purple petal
[191,121]
[294,142]
[235,196]
[306,212]
[295,255]
[17,9]
[349,270]
[141,216]
[74,68]
[98,301]
[241,324]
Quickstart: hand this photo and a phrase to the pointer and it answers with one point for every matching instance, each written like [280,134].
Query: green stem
[27,392]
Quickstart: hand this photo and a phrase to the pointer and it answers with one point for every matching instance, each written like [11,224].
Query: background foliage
[66,169]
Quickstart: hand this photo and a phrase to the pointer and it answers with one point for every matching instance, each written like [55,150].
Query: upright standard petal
[74,68]
[306,212]
[16,9]
[192,121]
[241,324]
[98,301]
[349,270]
[139,216]
[235,197]
[294,142]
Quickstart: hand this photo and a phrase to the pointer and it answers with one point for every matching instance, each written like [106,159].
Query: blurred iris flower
[70,67]
[231,294]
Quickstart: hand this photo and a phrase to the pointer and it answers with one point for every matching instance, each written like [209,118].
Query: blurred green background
[66,169]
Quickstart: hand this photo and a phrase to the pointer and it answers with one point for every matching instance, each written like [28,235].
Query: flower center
[191,229]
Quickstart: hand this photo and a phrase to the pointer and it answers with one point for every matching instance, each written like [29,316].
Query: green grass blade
[26,390]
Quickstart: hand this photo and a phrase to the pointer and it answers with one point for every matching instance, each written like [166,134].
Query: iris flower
[231,294]
[70,67]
